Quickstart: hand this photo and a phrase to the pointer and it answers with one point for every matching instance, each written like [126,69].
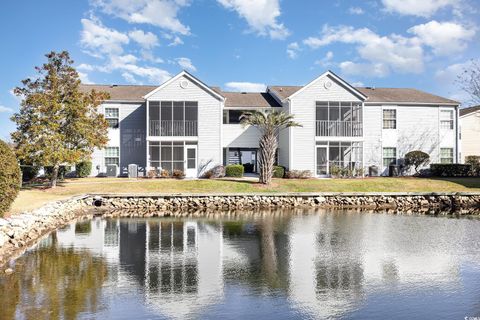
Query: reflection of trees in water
[53,283]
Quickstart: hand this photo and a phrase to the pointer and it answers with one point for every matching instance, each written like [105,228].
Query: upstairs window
[389,119]
[232,116]
[389,156]
[111,115]
[112,155]
[446,155]
[446,119]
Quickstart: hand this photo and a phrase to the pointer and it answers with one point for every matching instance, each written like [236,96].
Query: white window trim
[383,156]
[452,119]
[396,117]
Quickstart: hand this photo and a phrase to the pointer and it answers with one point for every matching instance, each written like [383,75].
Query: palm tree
[269,124]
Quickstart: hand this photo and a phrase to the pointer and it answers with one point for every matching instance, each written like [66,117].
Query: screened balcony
[173,118]
[339,119]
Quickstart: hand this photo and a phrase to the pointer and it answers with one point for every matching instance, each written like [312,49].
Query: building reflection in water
[325,264]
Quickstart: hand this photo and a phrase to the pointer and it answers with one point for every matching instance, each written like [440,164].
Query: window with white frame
[112,155]
[446,119]
[111,115]
[389,119]
[446,155]
[389,156]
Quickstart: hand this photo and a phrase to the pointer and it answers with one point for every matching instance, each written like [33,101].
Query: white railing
[326,128]
[173,128]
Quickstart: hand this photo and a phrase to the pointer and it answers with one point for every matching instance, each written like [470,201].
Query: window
[389,119]
[112,155]
[446,119]
[232,116]
[389,156]
[111,115]
[342,119]
[167,154]
[446,155]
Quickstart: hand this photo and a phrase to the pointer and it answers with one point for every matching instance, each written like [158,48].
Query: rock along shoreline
[19,232]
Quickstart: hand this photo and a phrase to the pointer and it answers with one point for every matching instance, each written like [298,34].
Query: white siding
[284,143]
[302,144]
[470,127]
[236,136]
[372,133]
[209,118]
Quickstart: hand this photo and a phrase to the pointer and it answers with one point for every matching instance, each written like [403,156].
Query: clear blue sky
[242,44]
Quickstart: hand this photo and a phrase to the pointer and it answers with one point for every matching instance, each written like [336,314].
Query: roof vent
[281,89]
[113,85]
[372,88]
[244,93]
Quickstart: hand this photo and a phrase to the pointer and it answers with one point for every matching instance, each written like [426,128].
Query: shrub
[299,174]
[29,172]
[474,162]
[416,159]
[248,167]
[234,170]
[278,172]
[153,173]
[83,169]
[215,172]
[164,173]
[62,171]
[9,177]
[178,174]
[449,170]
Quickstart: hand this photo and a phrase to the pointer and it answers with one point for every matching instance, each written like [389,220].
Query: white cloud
[443,37]
[98,38]
[292,50]
[325,61]
[186,64]
[176,41]
[84,77]
[246,86]
[355,10]
[5,109]
[129,77]
[371,69]
[12,93]
[85,67]
[160,13]
[421,8]
[358,84]
[261,16]
[146,40]
[382,53]
[447,80]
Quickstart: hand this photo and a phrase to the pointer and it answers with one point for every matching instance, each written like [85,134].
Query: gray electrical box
[132,171]
[373,171]
[112,170]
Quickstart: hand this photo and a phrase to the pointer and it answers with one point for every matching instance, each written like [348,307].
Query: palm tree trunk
[268,147]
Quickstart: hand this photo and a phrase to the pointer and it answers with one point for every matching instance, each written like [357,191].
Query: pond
[324,264]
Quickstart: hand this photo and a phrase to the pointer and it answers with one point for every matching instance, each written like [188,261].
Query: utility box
[133,171]
[112,170]
[393,170]
[373,171]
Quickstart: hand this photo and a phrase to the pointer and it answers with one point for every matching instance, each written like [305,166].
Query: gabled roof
[120,92]
[403,95]
[283,92]
[297,90]
[192,78]
[467,111]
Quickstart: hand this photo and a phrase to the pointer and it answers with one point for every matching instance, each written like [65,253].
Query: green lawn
[37,196]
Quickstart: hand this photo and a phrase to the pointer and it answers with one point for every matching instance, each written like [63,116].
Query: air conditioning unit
[112,170]
[132,171]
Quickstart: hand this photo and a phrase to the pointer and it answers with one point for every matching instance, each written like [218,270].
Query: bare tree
[469,81]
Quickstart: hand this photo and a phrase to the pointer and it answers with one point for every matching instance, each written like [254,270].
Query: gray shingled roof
[405,95]
[120,92]
[465,111]
[262,99]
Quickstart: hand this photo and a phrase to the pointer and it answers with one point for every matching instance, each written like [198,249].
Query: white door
[191,161]
[322,162]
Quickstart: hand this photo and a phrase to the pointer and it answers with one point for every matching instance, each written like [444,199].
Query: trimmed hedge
[450,169]
[234,170]
[10,177]
[474,161]
[278,172]
[83,169]
[299,174]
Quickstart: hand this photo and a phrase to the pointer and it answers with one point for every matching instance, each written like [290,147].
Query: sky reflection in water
[320,265]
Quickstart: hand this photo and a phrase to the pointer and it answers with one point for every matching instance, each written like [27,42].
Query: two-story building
[186,125]
[470,131]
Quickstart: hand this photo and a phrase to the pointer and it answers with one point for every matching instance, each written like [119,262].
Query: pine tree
[57,123]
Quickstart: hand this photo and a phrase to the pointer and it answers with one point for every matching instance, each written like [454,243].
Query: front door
[191,161]
[322,162]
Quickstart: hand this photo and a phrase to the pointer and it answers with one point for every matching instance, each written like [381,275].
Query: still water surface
[320,265]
